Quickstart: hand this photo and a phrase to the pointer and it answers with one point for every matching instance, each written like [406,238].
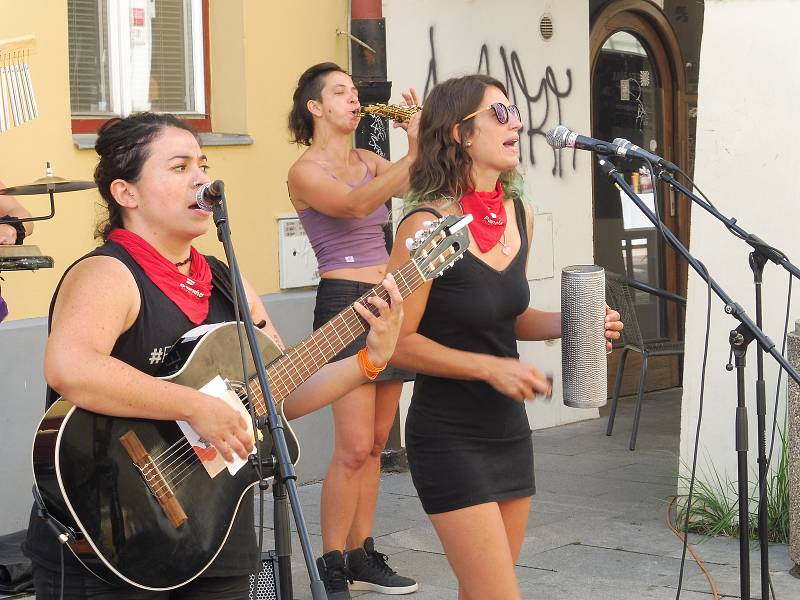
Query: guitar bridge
[154,480]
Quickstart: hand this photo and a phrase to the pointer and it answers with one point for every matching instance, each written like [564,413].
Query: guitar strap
[422,209]
[221,276]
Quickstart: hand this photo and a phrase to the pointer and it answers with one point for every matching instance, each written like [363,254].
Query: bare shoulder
[303,169]
[301,177]
[98,288]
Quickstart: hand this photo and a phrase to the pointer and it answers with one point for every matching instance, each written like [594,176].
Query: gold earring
[469,144]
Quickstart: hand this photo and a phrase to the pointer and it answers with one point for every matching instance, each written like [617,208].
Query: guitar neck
[303,360]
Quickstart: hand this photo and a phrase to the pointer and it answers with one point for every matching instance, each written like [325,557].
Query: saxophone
[393,112]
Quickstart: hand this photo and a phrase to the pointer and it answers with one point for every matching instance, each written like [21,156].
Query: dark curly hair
[123,145]
[442,168]
[309,87]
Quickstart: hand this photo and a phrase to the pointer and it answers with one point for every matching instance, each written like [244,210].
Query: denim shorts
[333,296]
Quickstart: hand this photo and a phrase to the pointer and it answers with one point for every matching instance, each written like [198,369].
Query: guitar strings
[286,367]
[173,475]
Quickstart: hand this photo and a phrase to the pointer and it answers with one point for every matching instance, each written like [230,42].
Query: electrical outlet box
[297,263]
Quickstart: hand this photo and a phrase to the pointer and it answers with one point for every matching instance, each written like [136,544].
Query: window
[127,56]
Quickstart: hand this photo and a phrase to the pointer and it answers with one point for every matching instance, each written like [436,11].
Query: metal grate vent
[546,27]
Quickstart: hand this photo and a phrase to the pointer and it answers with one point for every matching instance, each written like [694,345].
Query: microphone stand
[286,478]
[762,252]
[740,337]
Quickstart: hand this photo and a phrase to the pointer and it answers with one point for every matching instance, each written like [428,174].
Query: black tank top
[473,307]
[160,322]
[157,327]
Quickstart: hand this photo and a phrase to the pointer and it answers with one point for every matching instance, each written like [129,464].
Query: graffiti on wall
[538,97]
[377,136]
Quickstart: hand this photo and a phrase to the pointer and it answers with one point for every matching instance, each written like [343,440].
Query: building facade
[239,62]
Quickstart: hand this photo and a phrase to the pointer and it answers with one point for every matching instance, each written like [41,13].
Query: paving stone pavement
[596,529]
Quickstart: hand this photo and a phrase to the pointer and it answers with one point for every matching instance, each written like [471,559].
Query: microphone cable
[777,396]
[697,433]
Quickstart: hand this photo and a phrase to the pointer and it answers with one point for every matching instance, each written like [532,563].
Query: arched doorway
[639,94]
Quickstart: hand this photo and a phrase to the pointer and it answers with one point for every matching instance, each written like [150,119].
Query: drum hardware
[23,258]
[28,257]
[49,184]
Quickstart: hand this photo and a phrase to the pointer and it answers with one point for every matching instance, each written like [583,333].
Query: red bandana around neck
[190,294]
[489,216]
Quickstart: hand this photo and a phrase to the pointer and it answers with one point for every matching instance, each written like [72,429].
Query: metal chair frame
[620,298]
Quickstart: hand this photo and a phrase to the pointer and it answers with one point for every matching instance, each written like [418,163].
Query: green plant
[712,511]
[715,506]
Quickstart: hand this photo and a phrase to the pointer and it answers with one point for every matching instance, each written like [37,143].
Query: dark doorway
[638,94]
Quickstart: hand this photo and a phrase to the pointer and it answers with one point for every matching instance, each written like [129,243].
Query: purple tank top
[347,243]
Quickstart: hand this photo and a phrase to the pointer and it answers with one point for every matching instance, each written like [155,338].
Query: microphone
[210,194]
[630,149]
[561,137]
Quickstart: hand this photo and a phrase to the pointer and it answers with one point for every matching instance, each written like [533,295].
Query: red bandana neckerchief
[190,294]
[489,216]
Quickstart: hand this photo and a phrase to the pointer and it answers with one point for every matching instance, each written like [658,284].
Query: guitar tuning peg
[419,235]
[409,243]
[427,224]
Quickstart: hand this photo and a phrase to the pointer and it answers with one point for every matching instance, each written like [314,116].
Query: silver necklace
[506,247]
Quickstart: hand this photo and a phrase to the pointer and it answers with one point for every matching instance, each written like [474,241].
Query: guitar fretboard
[302,361]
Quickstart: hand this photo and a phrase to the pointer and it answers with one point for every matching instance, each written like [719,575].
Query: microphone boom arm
[731,307]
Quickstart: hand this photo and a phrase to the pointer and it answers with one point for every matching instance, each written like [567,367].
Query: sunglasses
[501,112]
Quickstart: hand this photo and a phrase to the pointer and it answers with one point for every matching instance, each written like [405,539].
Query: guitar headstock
[439,245]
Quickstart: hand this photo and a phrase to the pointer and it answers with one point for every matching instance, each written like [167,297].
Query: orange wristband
[369,370]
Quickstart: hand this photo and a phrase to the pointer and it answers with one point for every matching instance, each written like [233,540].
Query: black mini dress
[467,443]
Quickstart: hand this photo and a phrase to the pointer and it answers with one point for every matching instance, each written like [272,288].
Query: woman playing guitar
[119,309]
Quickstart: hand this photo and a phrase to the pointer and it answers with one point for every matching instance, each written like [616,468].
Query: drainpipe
[368,69]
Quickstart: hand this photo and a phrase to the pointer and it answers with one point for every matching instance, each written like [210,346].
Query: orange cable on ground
[699,562]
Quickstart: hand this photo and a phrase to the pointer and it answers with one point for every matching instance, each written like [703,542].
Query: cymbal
[44,185]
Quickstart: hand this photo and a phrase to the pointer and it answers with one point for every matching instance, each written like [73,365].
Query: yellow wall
[258,49]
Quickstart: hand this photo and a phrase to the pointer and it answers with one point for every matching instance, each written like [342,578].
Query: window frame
[201,124]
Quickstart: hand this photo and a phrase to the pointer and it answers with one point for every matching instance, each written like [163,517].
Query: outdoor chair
[620,298]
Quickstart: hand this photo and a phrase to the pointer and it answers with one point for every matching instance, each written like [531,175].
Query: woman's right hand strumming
[222,426]
[516,379]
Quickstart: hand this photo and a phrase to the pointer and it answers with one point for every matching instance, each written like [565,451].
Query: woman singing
[117,308]
[467,433]
[340,195]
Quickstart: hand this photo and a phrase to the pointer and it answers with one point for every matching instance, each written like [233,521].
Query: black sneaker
[333,575]
[367,570]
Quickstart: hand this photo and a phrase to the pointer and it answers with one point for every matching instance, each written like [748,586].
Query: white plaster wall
[747,111]
[559,190]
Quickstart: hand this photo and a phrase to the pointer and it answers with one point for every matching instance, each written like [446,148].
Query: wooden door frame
[647,21]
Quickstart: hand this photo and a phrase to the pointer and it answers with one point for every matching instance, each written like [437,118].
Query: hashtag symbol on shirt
[156,356]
